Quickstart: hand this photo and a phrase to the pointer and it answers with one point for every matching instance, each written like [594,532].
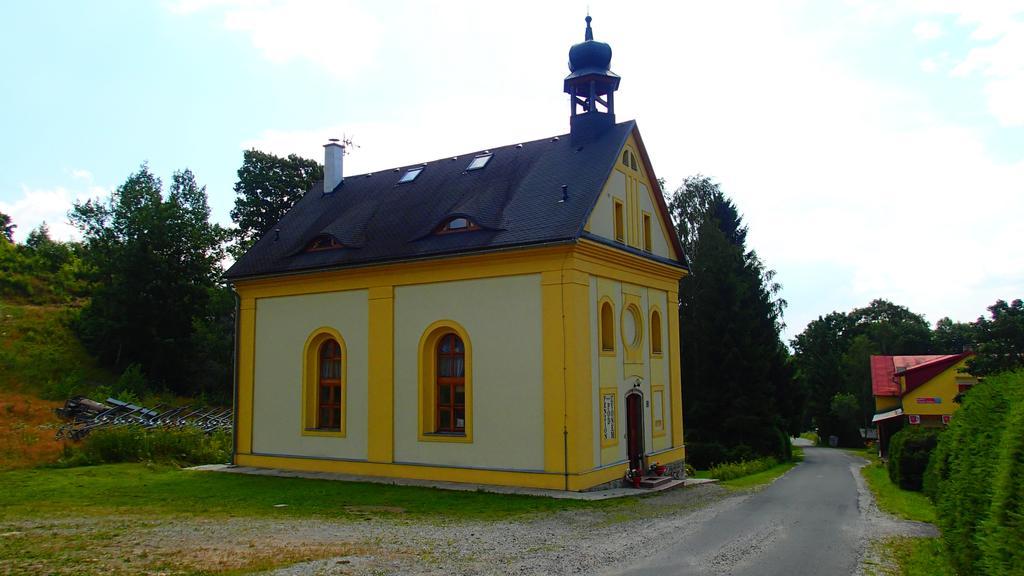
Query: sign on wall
[608,416]
[929,400]
[945,418]
[914,419]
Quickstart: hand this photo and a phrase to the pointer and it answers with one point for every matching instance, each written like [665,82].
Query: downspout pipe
[234,370]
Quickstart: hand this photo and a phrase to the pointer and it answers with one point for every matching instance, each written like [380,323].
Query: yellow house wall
[614,373]
[550,287]
[502,317]
[942,386]
[634,190]
[283,326]
[885,403]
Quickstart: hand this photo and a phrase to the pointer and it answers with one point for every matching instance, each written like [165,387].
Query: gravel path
[597,542]
[602,540]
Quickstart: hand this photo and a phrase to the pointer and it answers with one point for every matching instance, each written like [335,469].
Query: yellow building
[916,390]
[507,316]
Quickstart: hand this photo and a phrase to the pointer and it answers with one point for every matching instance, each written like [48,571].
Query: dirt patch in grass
[124,545]
[27,428]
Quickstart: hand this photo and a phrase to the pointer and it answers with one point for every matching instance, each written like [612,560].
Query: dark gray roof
[514,199]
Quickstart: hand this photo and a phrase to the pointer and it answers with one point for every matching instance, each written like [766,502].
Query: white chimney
[334,152]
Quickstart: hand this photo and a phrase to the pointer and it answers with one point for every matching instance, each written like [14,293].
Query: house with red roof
[916,390]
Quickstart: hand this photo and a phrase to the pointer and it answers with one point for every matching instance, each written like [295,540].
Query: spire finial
[590,33]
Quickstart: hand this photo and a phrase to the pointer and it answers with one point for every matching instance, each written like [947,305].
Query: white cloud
[50,205]
[929,65]
[927,30]
[339,37]
[78,174]
[997,56]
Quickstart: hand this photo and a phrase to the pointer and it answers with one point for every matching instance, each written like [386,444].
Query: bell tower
[591,87]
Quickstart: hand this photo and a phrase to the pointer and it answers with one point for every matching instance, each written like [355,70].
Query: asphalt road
[807,522]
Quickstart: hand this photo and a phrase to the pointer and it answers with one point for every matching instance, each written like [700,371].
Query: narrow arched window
[607,327]
[656,333]
[451,384]
[329,386]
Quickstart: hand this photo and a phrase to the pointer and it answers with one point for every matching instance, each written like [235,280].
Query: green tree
[6,228]
[1000,339]
[267,187]
[734,365]
[155,262]
[833,356]
[894,329]
[951,337]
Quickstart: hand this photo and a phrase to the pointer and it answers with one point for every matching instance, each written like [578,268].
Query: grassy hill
[41,365]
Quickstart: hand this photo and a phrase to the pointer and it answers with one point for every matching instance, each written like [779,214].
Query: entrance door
[635,430]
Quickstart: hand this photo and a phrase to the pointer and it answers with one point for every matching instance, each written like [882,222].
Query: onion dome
[589,56]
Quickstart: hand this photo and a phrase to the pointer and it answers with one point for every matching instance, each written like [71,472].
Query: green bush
[182,446]
[909,451]
[973,471]
[733,470]
[1002,535]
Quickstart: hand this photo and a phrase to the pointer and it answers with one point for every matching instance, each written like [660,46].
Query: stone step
[654,481]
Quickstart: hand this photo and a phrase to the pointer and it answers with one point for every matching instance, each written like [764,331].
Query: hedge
[976,478]
[909,450]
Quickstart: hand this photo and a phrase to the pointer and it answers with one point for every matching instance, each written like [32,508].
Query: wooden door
[635,430]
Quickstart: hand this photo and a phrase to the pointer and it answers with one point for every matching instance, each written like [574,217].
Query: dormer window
[479,162]
[323,242]
[457,224]
[410,175]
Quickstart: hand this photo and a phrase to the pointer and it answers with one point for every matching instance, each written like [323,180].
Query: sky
[874,148]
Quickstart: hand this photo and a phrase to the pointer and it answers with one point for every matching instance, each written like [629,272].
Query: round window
[631,332]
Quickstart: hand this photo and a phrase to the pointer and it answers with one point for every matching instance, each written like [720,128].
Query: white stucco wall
[503,319]
[282,327]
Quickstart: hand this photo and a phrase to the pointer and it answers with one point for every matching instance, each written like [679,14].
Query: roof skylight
[410,175]
[479,162]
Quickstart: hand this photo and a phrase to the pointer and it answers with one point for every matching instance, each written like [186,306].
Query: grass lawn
[758,478]
[891,498]
[125,519]
[155,489]
[909,556]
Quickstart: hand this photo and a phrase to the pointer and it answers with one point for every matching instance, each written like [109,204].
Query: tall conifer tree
[737,382]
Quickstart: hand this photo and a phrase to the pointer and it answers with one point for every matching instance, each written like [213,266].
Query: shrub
[967,474]
[704,455]
[733,470]
[183,446]
[909,450]
[1001,535]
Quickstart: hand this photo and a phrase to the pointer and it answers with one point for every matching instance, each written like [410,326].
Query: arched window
[655,333]
[607,327]
[446,383]
[451,384]
[329,386]
[323,384]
